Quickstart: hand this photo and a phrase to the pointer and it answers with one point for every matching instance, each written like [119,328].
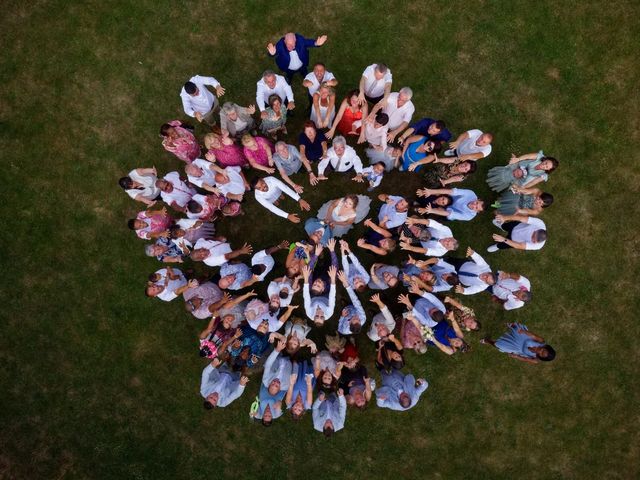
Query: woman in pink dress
[179,141]
[150,224]
[222,150]
[258,150]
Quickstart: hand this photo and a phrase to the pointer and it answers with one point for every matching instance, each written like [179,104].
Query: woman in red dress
[348,121]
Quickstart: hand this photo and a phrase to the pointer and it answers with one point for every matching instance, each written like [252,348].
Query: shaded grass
[100,382]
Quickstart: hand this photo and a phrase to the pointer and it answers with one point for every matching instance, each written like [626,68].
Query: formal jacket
[302,49]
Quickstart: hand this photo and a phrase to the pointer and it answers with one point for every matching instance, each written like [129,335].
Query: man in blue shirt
[428,127]
[465,204]
[292,53]
[399,391]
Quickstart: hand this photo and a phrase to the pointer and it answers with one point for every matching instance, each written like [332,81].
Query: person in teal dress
[524,171]
[523,201]
[523,345]
[418,150]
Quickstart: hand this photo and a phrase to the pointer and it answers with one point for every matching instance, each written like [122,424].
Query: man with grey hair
[399,107]
[288,161]
[292,53]
[236,120]
[270,84]
[341,158]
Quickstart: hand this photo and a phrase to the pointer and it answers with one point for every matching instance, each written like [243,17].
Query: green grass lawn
[98,381]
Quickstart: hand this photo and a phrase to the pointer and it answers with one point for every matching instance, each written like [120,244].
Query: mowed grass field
[97,381]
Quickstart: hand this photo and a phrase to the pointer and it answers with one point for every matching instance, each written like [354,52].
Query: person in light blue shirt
[357,275]
[465,204]
[394,211]
[399,391]
[220,386]
[235,276]
[275,383]
[353,316]
[329,413]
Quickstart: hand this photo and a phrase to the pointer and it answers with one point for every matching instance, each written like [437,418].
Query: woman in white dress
[342,213]
[324,107]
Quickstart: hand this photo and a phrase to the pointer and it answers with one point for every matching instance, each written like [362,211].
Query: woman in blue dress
[523,345]
[524,171]
[418,151]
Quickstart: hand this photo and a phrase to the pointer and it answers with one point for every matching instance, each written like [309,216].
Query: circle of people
[245,327]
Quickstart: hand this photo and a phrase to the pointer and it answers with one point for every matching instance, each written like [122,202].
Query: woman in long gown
[342,213]
[523,345]
[523,201]
[348,121]
[524,171]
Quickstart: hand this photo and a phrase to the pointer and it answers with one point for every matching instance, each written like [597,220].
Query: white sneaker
[497,223]
[493,248]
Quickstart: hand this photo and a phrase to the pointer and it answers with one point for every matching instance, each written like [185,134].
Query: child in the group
[373,175]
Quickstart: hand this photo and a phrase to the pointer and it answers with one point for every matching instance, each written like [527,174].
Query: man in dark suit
[292,53]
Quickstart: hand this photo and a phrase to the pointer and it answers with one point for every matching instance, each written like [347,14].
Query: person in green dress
[274,123]
[524,171]
[523,201]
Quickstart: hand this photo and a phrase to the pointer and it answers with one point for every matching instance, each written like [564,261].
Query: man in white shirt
[440,243]
[231,183]
[471,145]
[264,259]
[475,275]
[198,101]
[342,158]
[268,191]
[319,308]
[329,413]
[394,211]
[317,77]
[168,284]
[375,83]
[202,173]
[523,233]
[140,185]
[465,204]
[215,253]
[399,108]
[269,84]
[512,290]
[174,191]
[220,386]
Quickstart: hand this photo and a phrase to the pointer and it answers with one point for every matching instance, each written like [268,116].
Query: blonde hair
[245,139]
[209,138]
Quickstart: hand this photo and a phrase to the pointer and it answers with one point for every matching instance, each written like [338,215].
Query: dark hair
[272,98]
[164,129]
[483,203]
[439,124]
[478,326]
[131,224]
[437,316]
[194,207]
[353,198]
[146,291]
[328,431]
[273,309]
[190,88]
[473,166]
[551,354]
[379,163]
[437,145]
[352,93]
[258,269]
[526,296]
[205,351]
[382,67]
[207,405]
[452,279]
[382,118]
[405,401]
[283,295]
[308,124]
[547,199]
[319,64]
[153,277]
[448,197]
[540,235]
[267,423]
[494,277]
[255,181]
[554,163]
[355,329]
[125,183]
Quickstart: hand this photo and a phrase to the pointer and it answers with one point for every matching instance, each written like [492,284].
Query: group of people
[246,330]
